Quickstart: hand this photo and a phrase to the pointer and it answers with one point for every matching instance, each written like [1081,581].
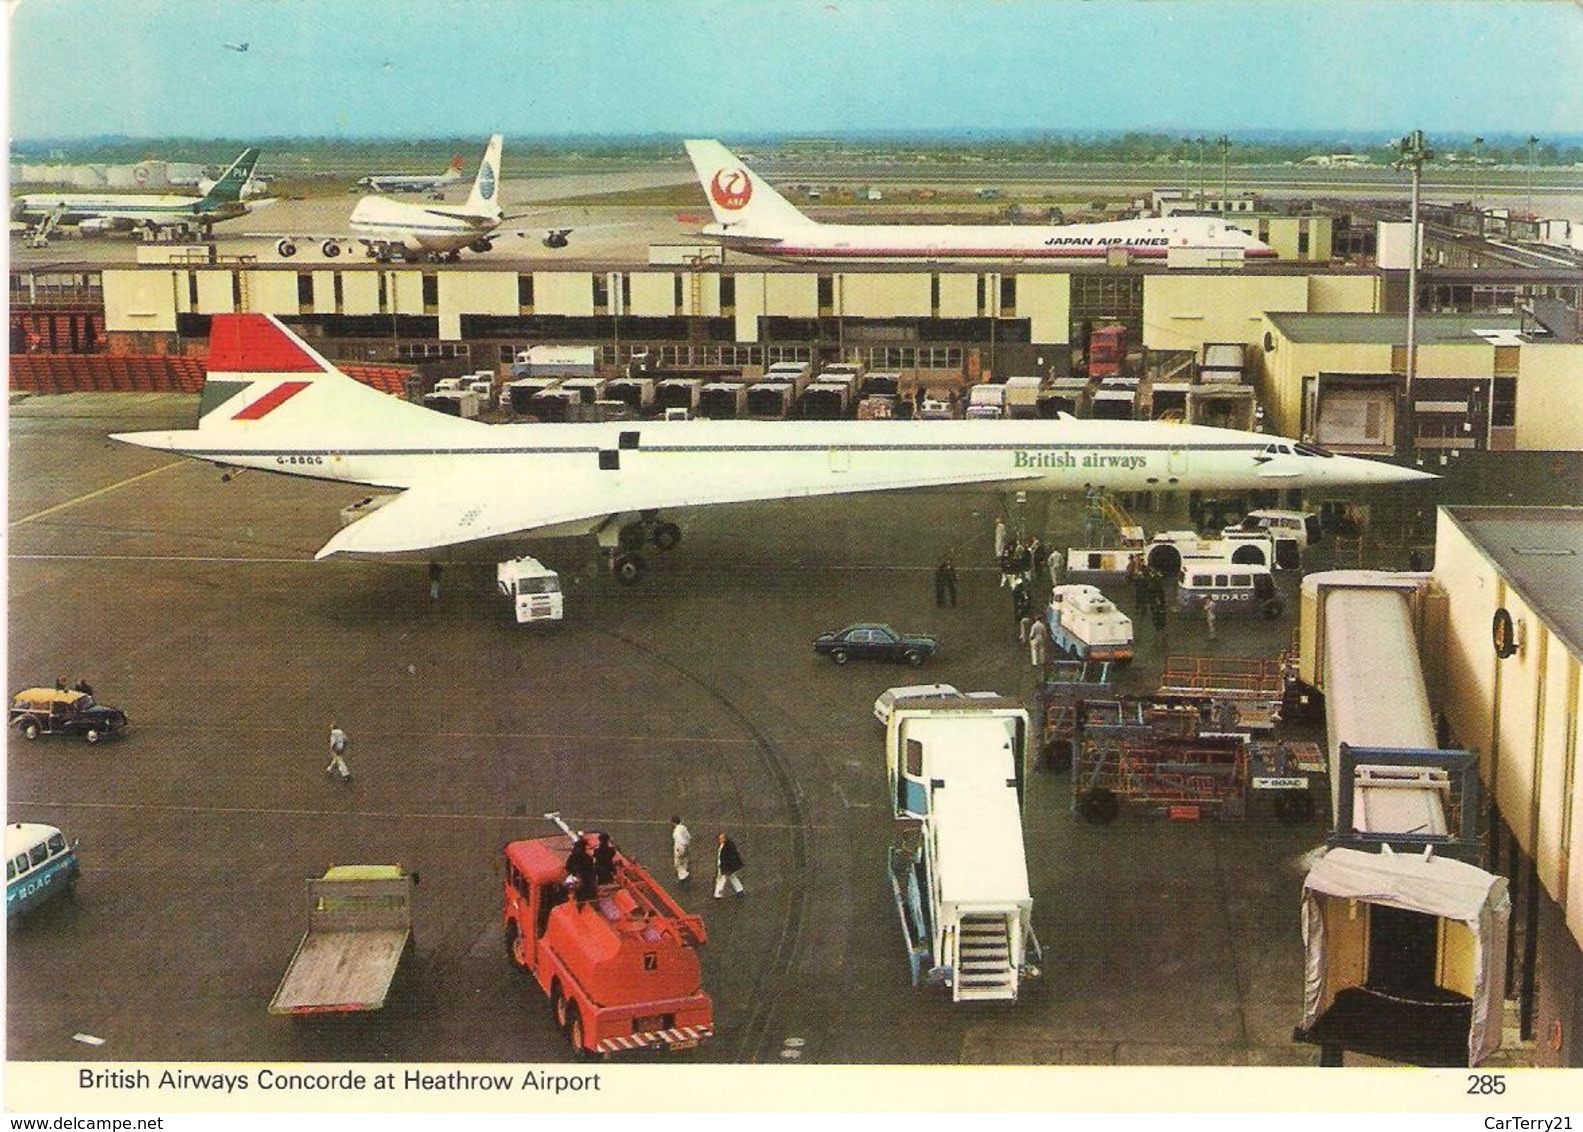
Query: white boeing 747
[389,228]
[753,217]
[271,402]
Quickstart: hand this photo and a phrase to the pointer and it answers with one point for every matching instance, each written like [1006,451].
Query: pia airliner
[270,401]
[752,217]
[222,201]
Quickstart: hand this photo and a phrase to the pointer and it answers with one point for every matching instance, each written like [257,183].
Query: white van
[533,589]
[40,864]
[1293,532]
[1236,589]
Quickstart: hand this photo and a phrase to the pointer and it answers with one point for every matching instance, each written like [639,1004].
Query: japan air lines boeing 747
[271,402]
[753,217]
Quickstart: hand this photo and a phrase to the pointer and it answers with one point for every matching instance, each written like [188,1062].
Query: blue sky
[416,68]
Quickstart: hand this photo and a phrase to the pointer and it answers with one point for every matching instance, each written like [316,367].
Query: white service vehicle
[533,588]
[1169,551]
[886,703]
[1293,532]
[1235,589]
[1085,624]
[960,875]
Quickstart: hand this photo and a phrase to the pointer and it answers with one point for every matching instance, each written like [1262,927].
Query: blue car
[874,642]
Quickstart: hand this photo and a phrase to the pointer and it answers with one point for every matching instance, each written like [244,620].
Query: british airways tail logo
[731,188]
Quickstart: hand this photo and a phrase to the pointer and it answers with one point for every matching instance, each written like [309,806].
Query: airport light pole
[1225,148]
[1415,151]
[1200,172]
[1478,156]
[1533,143]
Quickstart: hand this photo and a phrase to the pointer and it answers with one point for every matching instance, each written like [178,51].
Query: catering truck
[359,929]
[958,872]
[619,961]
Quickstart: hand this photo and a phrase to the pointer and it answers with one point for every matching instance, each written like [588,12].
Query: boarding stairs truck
[533,589]
[959,874]
[1086,625]
[359,929]
[619,964]
[1405,935]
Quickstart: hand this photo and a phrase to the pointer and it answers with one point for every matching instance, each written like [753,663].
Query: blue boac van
[40,865]
[1235,588]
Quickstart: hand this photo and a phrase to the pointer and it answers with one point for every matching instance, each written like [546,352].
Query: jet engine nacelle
[557,237]
[285,249]
[481,245]
[330,248]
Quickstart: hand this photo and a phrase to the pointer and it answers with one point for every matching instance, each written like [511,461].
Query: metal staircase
[984,965]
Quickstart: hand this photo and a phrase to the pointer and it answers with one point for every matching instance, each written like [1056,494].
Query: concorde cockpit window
[1311,450]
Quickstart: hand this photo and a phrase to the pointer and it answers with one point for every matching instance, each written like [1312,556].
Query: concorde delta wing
[481,504]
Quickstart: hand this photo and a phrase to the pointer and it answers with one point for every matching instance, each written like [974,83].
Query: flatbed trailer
[359,928]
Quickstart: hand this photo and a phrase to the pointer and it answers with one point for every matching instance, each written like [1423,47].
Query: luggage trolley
[1152,753]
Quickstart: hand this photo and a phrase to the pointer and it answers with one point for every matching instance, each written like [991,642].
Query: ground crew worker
[1000,538]
[681,843]
[1038,643]
[728,863]
[1093,514]
[337,764]
[945,582]
[435,570]
[1209,616]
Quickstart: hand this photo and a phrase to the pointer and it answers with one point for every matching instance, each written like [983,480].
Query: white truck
[1086,625]
[1169,551]
[1022,397]
[533,589]
[359,929]
[986,401]
[960,876]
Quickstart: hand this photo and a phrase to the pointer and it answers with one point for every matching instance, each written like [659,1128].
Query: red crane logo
[731,188]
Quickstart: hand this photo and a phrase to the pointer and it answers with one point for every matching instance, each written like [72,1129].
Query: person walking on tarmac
[1038,643]
[1000,538]
[337,764]
[945,582]
[728,863]
[1209,616]
[681,846]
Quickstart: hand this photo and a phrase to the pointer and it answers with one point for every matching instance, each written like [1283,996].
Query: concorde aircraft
[271,401]
[753,217]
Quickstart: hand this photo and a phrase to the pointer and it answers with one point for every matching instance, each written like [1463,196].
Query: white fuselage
[1146,237]
[794,458]
[129,208]
[380,220]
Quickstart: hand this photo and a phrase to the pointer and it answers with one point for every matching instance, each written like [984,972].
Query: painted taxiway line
[100,491]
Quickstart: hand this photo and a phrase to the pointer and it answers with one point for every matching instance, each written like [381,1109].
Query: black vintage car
[49,711]
[874,642]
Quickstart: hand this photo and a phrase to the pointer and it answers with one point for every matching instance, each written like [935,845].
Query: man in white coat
[681,843]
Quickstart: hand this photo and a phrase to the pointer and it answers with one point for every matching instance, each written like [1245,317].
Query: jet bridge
[1404,934]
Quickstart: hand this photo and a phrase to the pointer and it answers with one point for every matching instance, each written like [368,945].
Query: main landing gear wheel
[665,536]
[632,537]
[629,568]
